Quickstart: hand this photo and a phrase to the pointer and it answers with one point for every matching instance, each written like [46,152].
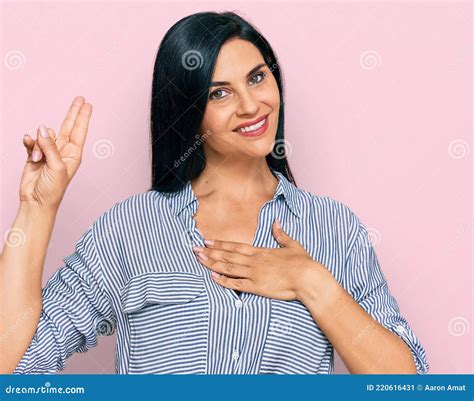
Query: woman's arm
[360,316]
[51,164]
[77,308]
[21,271]
[365,346]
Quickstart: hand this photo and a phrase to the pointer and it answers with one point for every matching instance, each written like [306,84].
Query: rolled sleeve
[367,284]
[76,309]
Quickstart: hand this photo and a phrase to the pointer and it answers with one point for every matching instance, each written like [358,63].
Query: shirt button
[235,355]
[238,303]
[400,329]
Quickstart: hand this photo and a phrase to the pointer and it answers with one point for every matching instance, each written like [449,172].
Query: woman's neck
[242,183]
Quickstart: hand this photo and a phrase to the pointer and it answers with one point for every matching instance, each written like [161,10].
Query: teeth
[254,127]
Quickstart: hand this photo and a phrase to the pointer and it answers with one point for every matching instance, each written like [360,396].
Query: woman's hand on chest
[278,273]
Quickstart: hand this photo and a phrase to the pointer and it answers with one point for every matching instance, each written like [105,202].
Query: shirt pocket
[168,320]
[295,344]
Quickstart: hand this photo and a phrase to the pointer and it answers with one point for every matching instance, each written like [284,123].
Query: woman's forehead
[236,58]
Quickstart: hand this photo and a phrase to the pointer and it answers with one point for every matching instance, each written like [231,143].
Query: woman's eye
[220,93]
[259,74]
[215,95]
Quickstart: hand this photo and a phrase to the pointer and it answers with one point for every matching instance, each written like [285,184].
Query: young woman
[224,266]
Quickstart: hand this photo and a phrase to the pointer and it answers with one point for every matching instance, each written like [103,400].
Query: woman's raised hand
[53,161]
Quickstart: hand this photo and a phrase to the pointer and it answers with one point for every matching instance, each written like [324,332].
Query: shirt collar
[183,198]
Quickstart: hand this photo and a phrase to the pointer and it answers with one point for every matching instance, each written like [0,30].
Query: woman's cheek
[219,121]
[274,94]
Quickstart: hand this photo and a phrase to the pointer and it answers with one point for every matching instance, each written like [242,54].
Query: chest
[234,224]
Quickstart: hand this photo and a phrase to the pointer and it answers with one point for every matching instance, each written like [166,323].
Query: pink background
[378,105]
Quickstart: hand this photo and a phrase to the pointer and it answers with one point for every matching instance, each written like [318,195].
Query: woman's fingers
[29,143]
[73,129]
[46,141]
[70,120]
[79,131]
[36,153]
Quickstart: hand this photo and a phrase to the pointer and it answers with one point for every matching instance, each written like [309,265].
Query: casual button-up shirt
[134,273]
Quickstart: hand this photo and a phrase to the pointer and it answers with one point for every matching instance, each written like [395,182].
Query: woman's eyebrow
[256,68]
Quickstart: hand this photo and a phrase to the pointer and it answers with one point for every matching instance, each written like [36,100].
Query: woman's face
[242,91]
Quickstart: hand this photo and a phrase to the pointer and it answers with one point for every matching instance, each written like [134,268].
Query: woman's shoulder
[326,207]
[132,210]
[331,215]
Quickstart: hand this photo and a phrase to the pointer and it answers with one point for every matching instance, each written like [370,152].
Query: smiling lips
[253,128]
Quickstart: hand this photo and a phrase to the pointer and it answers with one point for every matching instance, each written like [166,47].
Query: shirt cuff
[417,351]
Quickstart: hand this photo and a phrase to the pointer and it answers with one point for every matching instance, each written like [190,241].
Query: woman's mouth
[256,129]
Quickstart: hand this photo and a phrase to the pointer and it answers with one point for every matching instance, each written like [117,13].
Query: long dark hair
[181,77]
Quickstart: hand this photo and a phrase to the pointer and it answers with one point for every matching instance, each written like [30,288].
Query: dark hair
[181,77]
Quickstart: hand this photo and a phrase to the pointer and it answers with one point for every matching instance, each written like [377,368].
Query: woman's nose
[247,104]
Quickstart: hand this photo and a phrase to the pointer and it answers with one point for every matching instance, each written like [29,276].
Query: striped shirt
[134,273]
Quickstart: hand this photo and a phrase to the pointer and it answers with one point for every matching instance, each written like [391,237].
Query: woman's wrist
[29,235]
[35,210]
[24,252]
[318,287]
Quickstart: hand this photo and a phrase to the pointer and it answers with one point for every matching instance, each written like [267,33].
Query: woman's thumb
[48,146]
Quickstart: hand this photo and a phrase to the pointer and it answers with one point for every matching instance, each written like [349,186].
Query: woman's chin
[258,148]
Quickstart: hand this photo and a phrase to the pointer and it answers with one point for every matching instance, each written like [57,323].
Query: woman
[224,266]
